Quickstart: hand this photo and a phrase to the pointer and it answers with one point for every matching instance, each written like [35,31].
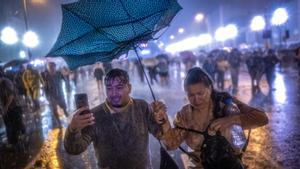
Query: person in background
[18,82]
[235,63]
[11,111]
[53,89]
[33,81]
[98,75]
[270,62]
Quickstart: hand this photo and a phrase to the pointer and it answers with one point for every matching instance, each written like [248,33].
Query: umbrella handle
[140,63]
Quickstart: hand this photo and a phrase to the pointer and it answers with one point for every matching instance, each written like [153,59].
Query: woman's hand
[223,123]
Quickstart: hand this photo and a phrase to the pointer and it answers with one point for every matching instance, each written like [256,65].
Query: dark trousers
[234,77]
[270,75]
[14,124]
[220,79]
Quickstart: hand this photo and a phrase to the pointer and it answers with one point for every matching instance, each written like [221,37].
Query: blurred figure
[151,65]
[222,66]
[107,66]
[18,81]
[74,78]
[98,74]
[139,70]
[53,89]
[66,74]
[297,58]
[209,66]
[12,111]
[163,71]
[256,69]
[270,62]
[188,59]
[32,81]
[235,62]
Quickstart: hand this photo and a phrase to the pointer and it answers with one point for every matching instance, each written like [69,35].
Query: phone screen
[81,100]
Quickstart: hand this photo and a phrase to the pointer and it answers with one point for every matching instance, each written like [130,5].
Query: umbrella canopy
[103,30]
[16,62]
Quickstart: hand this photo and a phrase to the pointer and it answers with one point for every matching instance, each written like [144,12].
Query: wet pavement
[273,146]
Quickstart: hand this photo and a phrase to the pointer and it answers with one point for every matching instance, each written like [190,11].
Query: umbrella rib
[138,20]
[97,29]
[128,16]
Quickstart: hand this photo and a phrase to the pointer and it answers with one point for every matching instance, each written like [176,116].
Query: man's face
[198,94]
[52,68]
[117,92]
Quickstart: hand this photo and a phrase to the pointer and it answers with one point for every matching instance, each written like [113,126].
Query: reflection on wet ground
[273,146]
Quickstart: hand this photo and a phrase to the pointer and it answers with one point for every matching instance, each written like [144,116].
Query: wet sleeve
[76,142]
[173,137]
[251,117]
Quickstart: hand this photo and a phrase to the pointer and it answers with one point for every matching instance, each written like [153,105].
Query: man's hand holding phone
[82,117]
[81,120]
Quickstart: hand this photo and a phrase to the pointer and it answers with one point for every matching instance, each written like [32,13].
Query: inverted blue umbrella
[102,30]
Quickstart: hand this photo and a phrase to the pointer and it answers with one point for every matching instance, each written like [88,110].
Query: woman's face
[198,94]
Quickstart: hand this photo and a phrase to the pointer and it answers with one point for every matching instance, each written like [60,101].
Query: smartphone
[81,100]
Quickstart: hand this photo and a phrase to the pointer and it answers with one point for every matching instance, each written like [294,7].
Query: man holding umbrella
[118,127]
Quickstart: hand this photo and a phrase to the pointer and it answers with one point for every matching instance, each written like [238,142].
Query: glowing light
[181,30]
[205,39]
[145,52]
[9,36]
[231,31]
[172,37]
[199,17]
[30,39]
[220,34]
[224,33]
[37,62]
[280,16]
[258,23]
[144,45]
[280,93]
[161,44]
[189,43]
[22,54]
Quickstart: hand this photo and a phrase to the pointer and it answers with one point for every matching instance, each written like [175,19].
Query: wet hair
[117,73]
[197,75]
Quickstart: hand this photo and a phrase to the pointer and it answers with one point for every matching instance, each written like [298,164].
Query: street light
[181,30]
[280,16]
[199,17]
[9,36]
[225,33]
[258,23]
[220,34]
[172,37]
[22,54]
[205,39]
[231,31]
[30,39]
